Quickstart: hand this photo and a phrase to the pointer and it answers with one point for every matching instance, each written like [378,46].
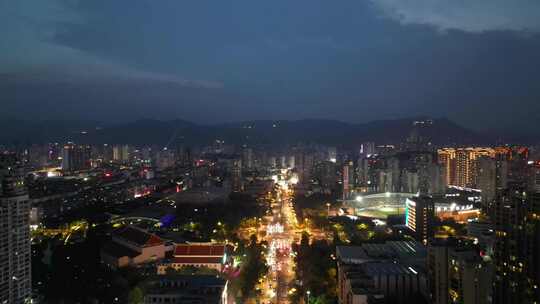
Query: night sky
[476,62]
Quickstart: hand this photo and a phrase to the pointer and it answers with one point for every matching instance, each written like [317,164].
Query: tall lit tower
[76,157]
[346,185]
[236,175]
[419,216]
[247,158]
[15,258]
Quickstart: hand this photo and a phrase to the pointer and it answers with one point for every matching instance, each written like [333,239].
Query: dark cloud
[466,15]
[31,51]
[227,60]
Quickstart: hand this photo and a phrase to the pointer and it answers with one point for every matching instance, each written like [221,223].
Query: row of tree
[316,273]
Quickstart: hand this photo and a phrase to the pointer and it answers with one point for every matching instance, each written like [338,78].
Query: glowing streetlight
[328,209]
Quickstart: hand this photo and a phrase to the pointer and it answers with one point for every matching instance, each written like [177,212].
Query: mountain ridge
[179,131]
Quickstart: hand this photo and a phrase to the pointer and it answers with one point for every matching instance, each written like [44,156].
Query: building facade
[76,157]
[457,273]
[131,246]
[516,217]
[15,253]
[212,256]
[419,216]
[461,164]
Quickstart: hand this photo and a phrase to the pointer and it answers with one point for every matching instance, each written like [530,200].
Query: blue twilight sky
[474,61]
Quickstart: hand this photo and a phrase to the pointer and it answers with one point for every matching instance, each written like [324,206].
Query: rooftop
[210,250]
[197,260]
[191,289]
[116,250]
[138,236]
[392,250]
[385,268]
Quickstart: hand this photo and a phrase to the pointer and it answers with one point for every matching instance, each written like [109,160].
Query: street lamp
[328,211]
[308,293]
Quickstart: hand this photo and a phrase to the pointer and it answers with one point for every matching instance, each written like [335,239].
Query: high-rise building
[362,171]
[418,139]
[435,175]
[492,177]
[272,162]
[517,157]
[430,173]
[291,162]
[303,163]
[332,154]
[165,158]
[516,217]
[106,152]
[236,175]
[409,181]
[76,157]
[457,273]
[447,159]
[347,173]
[464,168]
[283,162]
[419,217]
[367,172]
[367,149]
[461,164]
[15,253]
[533,242]
[385,180]
[247,158]
[326,174]
[38,156]
[183,156]
[389,176]
[121,153]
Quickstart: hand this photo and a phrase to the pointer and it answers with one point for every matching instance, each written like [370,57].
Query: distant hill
[18,131]
[332,132]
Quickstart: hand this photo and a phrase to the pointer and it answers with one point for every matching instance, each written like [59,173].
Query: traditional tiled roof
[197,260]
[199,250]
[138,236]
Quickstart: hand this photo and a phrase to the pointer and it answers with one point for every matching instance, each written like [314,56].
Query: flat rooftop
[391,250]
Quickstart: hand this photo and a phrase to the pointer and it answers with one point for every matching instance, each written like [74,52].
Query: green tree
[316,270]
[136,296]
[253,268]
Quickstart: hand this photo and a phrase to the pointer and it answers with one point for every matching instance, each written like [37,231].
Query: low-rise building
[373,273]
[187,289]
[208,255]
[355,287]
[131,245]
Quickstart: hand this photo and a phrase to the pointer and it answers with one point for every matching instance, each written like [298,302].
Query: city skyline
[270,152]
[299,222]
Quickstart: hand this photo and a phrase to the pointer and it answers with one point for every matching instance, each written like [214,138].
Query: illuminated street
[280,235]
